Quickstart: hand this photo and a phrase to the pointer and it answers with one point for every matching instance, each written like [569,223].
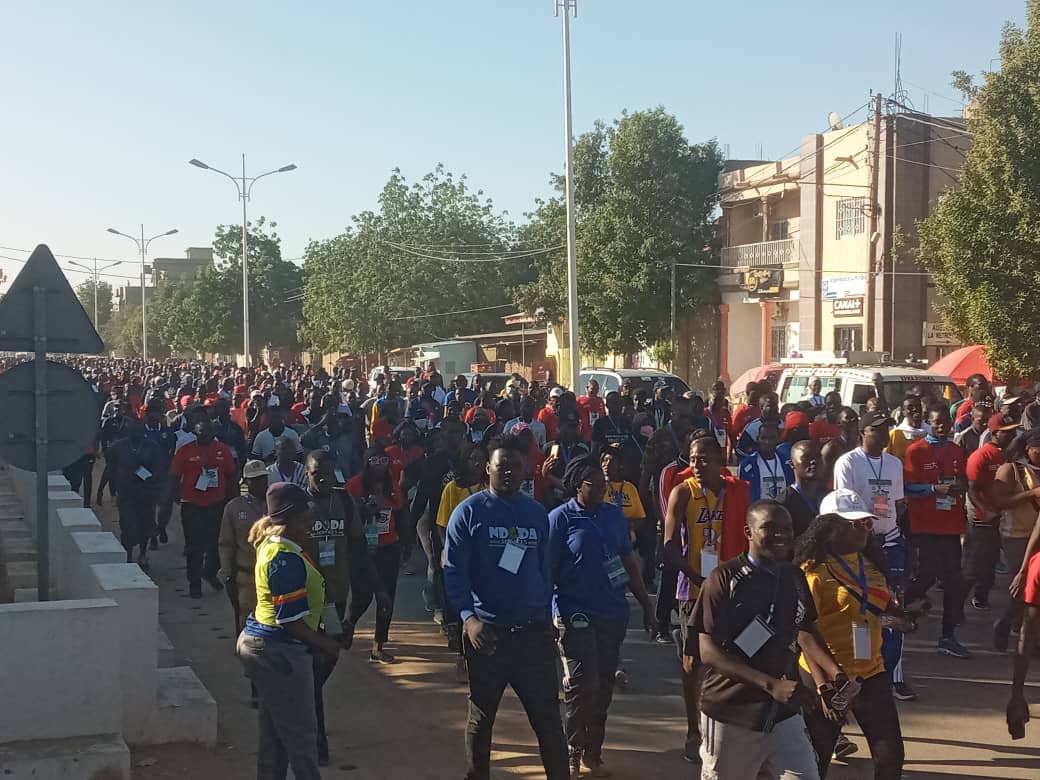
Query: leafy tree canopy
[85,293]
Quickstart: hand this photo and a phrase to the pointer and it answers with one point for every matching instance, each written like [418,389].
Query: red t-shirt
[356,488]
[722,419]
[925,464]
[188,465]
[590,409]
[822,431]
[743,416]
[982,468]
[547,417]
[1032,594]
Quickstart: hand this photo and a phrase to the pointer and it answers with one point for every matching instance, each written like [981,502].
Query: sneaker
[1001,636]
[843,747]
[979,604]
[429,603]
[214,582]
[575,766]
[903,692]
[438,617]
[382,657]
[950,646]
[596,767]
[664,637]
[692,751]
[620,679]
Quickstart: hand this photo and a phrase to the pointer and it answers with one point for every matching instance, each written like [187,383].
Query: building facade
[179,269]
[811,260]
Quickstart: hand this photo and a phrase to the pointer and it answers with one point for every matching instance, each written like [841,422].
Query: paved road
[406,720]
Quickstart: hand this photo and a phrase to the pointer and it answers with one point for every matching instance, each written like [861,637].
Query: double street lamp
[244,185]
[94,274]
[142,246]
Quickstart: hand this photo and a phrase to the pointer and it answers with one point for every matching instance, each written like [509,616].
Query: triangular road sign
[68,328]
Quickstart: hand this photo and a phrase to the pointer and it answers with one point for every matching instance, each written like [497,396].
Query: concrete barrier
[86,548]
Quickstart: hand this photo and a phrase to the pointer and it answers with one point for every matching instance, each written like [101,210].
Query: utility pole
[567,7]
[95,275]
[671,323]
[872,231]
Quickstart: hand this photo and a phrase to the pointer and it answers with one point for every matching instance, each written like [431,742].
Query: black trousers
[939,560]
[666,596]
[981,554]
[875,712]
[81,473]
[201,530]
[524,659]
[387,560]
[136,520]
[590,659]
[646,546]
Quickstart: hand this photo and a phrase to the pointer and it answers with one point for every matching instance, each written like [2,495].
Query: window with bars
[848,339]
[778,343]
[778,231]
[850,217]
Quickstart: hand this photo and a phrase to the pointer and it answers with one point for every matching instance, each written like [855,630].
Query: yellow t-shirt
[625,497]
[899,441]
[451,497]
[703,526]
[837,610]
[299,594]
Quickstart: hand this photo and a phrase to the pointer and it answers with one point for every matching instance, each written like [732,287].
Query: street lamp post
[94,275]
[244,185]
[142,246]
[564,8]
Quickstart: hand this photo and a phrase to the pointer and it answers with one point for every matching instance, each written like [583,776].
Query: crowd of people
[790,547]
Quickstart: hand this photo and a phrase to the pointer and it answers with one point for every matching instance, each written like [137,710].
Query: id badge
[512,557]
[326,553]
[527,488]
[754,637]
[383,521]
[339,476]
[774,485]
[212,477]
[142,473]
[593,416]
[945,503]
[709,560]
[881,506]
[861,642]
[203,481]
[616,572]
[372,534]
[330,620]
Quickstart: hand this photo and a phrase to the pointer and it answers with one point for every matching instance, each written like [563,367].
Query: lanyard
[776,586]
[769,467]
[815,507]
[861,580]
[880,469]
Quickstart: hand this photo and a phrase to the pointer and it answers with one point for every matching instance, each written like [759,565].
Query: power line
[533,253]
[449,313]
[84,271]
[936,94]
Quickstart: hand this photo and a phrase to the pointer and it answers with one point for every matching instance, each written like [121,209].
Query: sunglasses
[863,522]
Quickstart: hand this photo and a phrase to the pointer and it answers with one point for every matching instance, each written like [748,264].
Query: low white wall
[59,670]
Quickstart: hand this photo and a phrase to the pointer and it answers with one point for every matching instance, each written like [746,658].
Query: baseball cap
[794,420]
[285,498]
[254,468]
[845,504]
[556,392]
[875,420]
[1002,422]
[349,385]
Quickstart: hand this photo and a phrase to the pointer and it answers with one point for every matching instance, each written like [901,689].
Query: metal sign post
[43,560]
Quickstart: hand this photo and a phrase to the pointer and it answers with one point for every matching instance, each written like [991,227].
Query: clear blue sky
[104,103]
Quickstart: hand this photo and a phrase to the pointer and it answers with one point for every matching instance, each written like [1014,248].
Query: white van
[860,381]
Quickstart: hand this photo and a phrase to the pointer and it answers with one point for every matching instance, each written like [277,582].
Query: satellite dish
[834,120]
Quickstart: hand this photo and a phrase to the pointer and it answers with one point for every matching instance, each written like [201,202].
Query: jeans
[876,714]
[387,561]
[981,553]
[590,659]
[201,530]
[939,559]
[283,674]
[524,659]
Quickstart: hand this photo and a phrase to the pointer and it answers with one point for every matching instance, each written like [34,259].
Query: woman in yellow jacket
[275,646]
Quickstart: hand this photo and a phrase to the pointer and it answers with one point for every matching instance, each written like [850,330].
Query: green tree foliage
[982,241]
[205,314]
[85,293]
[644,198]
[366,288]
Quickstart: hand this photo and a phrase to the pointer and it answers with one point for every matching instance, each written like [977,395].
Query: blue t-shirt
[469,396]
[479,571]
[581,543]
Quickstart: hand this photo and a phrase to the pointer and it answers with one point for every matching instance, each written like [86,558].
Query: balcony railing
[764,255]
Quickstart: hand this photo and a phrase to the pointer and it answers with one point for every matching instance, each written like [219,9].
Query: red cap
[795,420]
[1002,422]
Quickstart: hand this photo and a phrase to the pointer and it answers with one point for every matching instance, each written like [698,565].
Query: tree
[431,248]
[205,313]
[644,198]
[982,241]
[85,293]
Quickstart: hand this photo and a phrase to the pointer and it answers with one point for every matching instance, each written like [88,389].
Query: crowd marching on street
[782,551]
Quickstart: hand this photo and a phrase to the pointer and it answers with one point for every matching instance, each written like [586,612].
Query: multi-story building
[812,260]
[177,269]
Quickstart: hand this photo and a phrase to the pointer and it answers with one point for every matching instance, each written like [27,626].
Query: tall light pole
[244,186]
[567,7]
[142,246]
[94,275]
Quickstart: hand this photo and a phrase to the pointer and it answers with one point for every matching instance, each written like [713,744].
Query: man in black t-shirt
[751,612]
[802,499]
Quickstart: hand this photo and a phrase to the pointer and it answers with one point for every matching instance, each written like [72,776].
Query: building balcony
[766,254]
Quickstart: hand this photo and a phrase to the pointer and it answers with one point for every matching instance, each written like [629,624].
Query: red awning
[962,363]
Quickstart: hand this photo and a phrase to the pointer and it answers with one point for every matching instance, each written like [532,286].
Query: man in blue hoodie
[766,472]
[497,574]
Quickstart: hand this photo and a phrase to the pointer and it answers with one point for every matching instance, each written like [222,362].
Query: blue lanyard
[861,580]
[814,507]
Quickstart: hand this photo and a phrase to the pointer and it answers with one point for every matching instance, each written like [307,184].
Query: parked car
[641,379]
[859,382]
[400,373]
[495,382]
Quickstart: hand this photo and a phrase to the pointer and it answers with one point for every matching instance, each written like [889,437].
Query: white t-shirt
[263,444]
[771,479]
[878,481]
